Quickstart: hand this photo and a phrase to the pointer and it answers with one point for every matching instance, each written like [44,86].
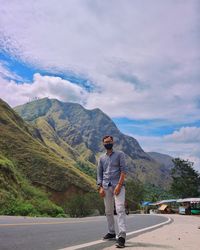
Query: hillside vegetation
[19,197]
[25,155]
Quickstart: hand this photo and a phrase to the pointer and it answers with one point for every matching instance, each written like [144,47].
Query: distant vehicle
[181,210]
[195,208]
[184,210]
[189,206]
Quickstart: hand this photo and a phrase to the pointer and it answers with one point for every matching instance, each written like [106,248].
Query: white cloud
[143,56]
[185,135]
[42,86]
[183,143]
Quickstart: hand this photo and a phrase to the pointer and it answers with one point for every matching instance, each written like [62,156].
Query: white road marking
[128,234]
[149,228]
[84,245]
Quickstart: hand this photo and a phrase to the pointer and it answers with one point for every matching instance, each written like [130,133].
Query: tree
[155,193]
[134,192]
[185,180]
[81,205]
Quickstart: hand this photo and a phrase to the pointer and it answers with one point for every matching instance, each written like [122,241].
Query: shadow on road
[147,245]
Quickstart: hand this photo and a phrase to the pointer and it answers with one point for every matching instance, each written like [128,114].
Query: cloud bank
[142,57]
[183,143]
[42,86]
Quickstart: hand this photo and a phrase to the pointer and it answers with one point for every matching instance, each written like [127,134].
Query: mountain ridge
[104,122]
[83,130]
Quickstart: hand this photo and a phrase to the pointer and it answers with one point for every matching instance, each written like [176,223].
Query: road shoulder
[182,234]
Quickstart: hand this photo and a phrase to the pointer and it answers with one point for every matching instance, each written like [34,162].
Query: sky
[136,60]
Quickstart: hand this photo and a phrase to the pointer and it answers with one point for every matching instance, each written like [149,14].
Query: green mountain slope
[79,127]
[35,161]
[82,130]
[19,197]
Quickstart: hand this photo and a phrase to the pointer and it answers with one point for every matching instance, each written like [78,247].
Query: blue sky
[26,71]
[138,61]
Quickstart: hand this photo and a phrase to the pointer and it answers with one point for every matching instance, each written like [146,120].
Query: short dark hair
[106,136]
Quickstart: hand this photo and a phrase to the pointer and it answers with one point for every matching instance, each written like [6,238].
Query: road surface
[25,233]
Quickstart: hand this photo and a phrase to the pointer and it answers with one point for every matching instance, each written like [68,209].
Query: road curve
[22,233]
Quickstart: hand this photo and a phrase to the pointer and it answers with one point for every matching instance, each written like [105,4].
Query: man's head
[108,142]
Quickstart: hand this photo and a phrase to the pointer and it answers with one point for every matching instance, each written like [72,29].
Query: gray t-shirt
[110,167]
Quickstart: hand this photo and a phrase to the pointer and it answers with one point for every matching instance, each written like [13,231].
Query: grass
[19,197]
[26,160]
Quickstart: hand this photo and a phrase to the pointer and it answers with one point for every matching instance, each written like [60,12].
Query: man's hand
[117,189]
[101,192]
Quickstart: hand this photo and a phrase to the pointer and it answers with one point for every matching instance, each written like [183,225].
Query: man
[111,173]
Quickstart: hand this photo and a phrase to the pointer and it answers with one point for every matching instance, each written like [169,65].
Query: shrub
[49,208]
[82,205]
[19,207]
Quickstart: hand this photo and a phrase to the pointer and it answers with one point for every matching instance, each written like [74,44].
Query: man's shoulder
[119,152]
[102,156]
[115,152]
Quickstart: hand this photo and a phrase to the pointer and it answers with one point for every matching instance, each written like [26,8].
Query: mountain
[79,127]
[25,151]
[166,164]
[163,159]
[70,129]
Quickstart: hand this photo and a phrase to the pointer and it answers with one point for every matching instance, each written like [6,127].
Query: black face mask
[108,146]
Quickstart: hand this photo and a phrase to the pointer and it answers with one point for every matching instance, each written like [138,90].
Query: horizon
[114,56]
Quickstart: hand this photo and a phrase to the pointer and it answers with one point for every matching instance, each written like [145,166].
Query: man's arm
[122,163]
[123,170]
[121,179]
[120,183]
[99,173]
[100,179]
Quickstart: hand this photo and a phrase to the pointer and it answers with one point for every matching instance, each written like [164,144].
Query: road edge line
[128,234]
[151,227]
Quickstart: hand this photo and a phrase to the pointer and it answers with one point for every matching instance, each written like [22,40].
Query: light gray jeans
[119,200]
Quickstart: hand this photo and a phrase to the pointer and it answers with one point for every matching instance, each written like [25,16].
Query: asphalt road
[25,233]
